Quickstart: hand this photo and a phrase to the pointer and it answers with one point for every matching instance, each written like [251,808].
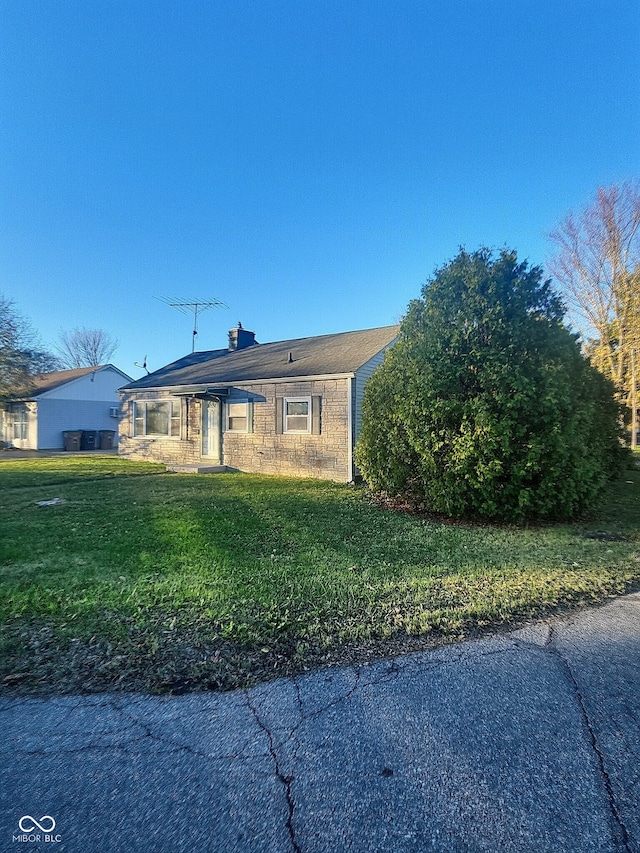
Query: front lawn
[140,579]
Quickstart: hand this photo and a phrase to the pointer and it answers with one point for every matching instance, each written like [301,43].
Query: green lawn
[141,579]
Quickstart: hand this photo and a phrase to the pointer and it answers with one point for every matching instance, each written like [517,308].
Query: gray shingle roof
[48,381]
[324,355]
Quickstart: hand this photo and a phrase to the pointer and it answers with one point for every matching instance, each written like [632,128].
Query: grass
[140,579]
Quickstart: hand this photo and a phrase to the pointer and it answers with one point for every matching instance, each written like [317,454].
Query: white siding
[98,386]
[362,374]
[55,416]
[81,404]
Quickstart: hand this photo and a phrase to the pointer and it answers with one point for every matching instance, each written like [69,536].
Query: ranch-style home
[289,407]
[82,399]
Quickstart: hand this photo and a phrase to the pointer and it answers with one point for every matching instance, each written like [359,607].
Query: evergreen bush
[486,406]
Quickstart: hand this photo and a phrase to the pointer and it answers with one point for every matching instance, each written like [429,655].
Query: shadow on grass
[178,582]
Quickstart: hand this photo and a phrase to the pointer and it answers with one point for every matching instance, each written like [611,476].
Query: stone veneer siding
[324,456]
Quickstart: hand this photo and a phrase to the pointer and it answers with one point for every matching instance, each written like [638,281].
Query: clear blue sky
[308,162]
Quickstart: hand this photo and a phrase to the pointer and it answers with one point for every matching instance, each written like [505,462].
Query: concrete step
[197,469]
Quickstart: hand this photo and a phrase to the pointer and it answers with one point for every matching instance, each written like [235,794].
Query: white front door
[211,430]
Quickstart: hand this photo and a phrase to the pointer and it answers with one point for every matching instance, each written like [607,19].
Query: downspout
[350,428]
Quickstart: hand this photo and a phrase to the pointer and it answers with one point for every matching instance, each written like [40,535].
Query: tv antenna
[142,366]
[192,306]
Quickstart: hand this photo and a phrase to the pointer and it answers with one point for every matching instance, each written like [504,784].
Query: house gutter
[203,388]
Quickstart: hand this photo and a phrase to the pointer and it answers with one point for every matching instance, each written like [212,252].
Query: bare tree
[22,355]
[86,347]
[598,266]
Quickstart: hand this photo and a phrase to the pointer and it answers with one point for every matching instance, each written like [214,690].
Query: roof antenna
[142,366]
[191,306]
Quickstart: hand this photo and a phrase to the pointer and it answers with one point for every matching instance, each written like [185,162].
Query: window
[20,418]
[238,417]
[157,418]
[297,414]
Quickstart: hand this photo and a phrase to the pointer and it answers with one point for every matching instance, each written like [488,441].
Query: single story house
[289,407]
[82,399]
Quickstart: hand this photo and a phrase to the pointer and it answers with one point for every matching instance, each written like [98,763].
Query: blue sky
[308,163]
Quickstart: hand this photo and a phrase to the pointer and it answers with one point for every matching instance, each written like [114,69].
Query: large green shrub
[485,406]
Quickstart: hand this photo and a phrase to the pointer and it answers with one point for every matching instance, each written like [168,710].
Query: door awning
[201,392]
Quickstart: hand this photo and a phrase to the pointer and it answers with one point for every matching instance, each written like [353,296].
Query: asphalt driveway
[524,742]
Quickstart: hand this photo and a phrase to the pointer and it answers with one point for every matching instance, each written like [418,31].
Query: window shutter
[250,416]
[279,407]
[316,406]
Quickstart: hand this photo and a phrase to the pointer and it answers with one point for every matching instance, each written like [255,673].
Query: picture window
[158,418]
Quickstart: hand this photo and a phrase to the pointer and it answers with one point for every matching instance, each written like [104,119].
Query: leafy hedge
[485,406]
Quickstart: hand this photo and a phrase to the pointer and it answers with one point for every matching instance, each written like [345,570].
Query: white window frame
[20,422]
[285,416]
[227,416]
[175,416]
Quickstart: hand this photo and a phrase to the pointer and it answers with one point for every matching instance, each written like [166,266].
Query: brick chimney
[240,338]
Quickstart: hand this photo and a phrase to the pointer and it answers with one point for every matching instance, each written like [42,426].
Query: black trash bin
[72,439]
[107,437]
[89,439]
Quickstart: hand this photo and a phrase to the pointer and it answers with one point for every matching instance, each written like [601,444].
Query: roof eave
[93,370]
[204,387]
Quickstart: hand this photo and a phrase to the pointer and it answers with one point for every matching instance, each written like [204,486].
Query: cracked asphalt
[528,741]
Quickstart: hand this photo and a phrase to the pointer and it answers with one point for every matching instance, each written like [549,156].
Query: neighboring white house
[82,399]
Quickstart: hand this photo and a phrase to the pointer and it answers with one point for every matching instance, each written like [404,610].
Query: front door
[211,430]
